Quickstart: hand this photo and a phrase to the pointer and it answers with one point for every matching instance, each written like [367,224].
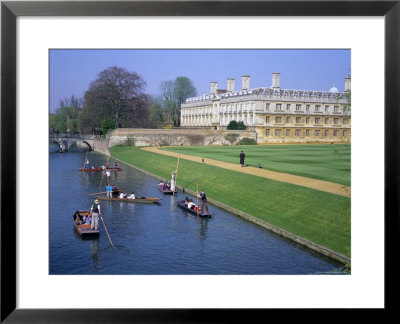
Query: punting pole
[84,163]
[97,193]
[197,197]
[105,227]
[104,171]
[176,176]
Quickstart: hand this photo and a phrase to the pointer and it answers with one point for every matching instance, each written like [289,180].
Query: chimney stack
[245,82]
[347,83]
[230,87]
[214,87]
[276,80]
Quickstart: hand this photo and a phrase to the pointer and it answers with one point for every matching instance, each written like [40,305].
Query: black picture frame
[10,10]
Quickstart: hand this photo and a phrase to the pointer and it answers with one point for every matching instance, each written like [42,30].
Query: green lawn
[325,162]
[315,215]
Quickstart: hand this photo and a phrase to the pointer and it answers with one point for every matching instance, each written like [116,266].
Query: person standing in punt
[242,155]
[203,198]
[173,181]
[96,213]
[108,174]
[109,190]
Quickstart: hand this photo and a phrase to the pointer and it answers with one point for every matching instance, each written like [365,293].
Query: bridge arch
[88,144]
[52,140]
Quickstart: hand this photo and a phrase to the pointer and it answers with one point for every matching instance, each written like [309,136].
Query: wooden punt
[100,169]
[137,200]
[84,230]
[201,212]
[166,190]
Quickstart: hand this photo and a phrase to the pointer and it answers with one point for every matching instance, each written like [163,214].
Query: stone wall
[173,137]
[101,145]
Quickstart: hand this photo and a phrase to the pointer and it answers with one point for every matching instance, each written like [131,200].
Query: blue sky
[71,71]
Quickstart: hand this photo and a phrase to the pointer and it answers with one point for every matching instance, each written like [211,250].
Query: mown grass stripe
[325,162]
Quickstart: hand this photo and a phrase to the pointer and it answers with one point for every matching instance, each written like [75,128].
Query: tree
[117,95]
[173,94]
[107,125]
[231,138]
[347,107]
[234,125]
[71,101]
[156,114]
[183,89]
[65,119]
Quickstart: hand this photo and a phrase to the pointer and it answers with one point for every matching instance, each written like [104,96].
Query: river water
[159,239]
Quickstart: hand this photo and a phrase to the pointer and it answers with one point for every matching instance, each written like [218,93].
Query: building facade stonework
[276,115]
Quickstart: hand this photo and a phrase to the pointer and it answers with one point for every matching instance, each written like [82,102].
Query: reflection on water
[158,239]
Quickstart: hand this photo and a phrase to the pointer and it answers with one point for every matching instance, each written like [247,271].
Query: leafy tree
[65,119]
[183,89]
[232,125]
[241,126]
[107,125]
[173,94]
[156,114]
[347,96]
[347,107]
[118,95]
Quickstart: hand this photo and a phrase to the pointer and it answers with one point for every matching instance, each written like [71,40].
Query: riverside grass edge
[326,251]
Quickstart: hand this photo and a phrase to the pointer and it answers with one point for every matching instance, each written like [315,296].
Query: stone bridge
[65,140]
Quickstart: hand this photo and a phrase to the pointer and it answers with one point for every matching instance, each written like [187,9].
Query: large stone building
[276,115]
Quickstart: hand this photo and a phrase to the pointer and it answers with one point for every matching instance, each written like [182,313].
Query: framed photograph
[35,35]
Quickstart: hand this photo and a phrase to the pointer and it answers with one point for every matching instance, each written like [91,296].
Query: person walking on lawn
[242,155]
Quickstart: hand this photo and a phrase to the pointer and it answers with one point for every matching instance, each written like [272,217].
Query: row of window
[317,120]
[297,132]
[299,107]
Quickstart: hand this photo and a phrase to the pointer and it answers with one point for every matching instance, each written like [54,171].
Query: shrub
[241,126]
[247,141]
[231,138]
[234,125]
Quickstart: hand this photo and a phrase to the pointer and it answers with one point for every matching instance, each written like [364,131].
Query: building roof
[271,93]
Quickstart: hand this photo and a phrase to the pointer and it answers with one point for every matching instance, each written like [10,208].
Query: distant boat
[202,213]
[165,189]
[137,200]
[100,169]
[84,230]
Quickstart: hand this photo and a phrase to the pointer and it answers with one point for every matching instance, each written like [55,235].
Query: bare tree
[71,101]
[118,94]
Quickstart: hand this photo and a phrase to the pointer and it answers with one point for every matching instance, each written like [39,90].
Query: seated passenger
[191,204]
[186,201]
[132,195]
[92,167]
[122,195]
[88,219]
